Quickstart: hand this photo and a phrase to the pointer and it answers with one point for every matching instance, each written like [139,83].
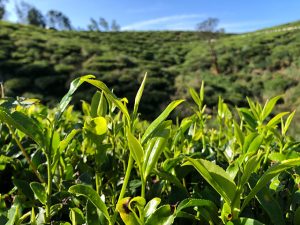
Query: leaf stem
[49,180]
[125,183]
[143,191]
[49,191]
[26,155]
[126,179]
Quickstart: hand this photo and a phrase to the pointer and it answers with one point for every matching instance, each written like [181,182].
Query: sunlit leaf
[92,196]
[39,191]
[136,149]
[164,215]
[151,206]
[216,177]
[268,175]
[154,125]
[138,97]
[268,108]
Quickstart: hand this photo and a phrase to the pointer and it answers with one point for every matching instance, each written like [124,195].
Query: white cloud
[245,26]
[177,22]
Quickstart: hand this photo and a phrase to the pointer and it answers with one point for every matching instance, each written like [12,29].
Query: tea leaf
[215,176]
[276,119]
[39,192]
[249,221]
[152,154]
[268,175]
[23,123]
[75,84]
[268,108]
[288,122]
[138,98]
[92,196]
[151,206]
[154,125]
[136,149]
[108,94]
[164,215]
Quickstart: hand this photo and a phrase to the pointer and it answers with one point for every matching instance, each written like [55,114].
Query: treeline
[53,19]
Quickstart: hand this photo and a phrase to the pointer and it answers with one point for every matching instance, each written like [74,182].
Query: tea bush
[105,165]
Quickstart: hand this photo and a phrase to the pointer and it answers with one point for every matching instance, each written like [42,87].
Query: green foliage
[42,62]
[105,165]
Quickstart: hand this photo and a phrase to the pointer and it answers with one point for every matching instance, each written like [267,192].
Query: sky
[235,16]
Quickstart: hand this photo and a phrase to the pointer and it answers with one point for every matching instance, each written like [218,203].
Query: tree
[93,26]
[58,20]
[115,26]
[209,31]
[2,9]
[36,18]
[28,14]
[104,24]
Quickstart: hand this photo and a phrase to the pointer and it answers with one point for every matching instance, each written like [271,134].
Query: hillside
[40,63]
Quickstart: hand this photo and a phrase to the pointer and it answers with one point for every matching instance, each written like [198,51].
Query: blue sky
[234,15]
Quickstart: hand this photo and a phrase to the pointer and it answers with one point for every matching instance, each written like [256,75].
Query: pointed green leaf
[201,94]
[13,214]
[39,192]
[64,143]
[216,177]
[164,215]
[95,104]
[23,123]
[255,144]
[61,147]
[269,106]
[288,122]
[92,196]
[32,217]
[75,84]
[254,109]
[76,216]
[92,215]
[192,202]
[136,149]
[154,125]
[151,206]
[194,96]
[153,153]
[248,118]
[248,140]
[269,203]
[55,209]
[276,119]
[268,175]
[249,168]
[108,94]
[249,221]
[138,97]
[238,134]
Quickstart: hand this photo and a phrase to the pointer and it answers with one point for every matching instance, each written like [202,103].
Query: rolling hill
[36,62]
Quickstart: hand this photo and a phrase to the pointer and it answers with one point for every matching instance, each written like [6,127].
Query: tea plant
[104,165]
